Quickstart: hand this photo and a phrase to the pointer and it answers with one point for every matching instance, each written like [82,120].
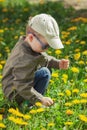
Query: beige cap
[47,27]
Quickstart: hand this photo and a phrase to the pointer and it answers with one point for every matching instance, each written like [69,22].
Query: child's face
[38,43]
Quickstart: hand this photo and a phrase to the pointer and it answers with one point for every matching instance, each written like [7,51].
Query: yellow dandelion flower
[61,94]
[71,81]
[84,52]
[1,67]
[77,56]
[65,33]
[0,76]
[83,42]
[77,50]
[39,104]
[58,52]
[3,62]
[83,95]
[75,70]
[68,92]
[15,37]
[68,104]
[18,121]
[7,50]
[21,33]
[15,112]
[51,81]
[43,128]
[1,117]
[83,118]
[0,55]
[79,19]
[64,36]
[68,42]
[69,112]
[83,101]
[55,75]
[26,117]
[33,111]
[72,28]
[1,31]
[65,78]
[51,124]
[49,52]
[75,90]
[77,41]
[54,99]
[85,80]
[81,62]
[76,101]
[6,29]
[40,110]
[66,57]
[68,123]
[2,125]
[2,0]
[84,20]
[0,85]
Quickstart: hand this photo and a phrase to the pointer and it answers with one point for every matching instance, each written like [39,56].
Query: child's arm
[55,63]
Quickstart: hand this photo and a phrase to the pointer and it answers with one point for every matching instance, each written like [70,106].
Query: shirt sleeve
[23,78]
[52,61]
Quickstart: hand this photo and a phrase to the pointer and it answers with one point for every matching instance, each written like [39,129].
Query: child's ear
[30,37]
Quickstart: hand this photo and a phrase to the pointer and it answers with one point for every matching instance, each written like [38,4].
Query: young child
[26,73]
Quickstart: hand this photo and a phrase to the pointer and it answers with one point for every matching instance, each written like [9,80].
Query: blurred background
[77,4]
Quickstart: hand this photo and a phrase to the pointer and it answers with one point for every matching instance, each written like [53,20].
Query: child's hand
[47,101]
[63,64]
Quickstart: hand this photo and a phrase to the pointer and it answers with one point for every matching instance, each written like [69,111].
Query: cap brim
[55,43]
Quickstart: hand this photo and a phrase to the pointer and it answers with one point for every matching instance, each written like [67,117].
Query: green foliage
[65,85]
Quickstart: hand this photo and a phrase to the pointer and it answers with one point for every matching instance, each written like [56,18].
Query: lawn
[68,88]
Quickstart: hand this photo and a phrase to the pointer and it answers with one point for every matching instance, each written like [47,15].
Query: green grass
[13,3]
[66,86]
